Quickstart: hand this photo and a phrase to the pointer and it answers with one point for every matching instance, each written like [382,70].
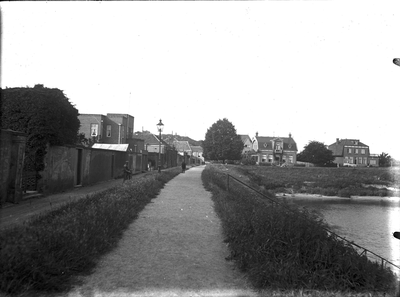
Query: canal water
[368,221]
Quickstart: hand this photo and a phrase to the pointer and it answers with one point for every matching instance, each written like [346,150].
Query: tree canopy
[384,159]
[222,143]
[317,153]
[44,114]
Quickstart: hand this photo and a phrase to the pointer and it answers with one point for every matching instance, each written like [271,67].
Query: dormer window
[290,145]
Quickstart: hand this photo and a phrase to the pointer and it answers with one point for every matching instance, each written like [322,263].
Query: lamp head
[160,126]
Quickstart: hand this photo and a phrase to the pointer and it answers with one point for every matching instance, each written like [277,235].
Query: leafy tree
[45,115]
[317,153]
[384,159]
[222,143]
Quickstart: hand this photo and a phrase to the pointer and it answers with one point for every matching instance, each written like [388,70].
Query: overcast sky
[319,70]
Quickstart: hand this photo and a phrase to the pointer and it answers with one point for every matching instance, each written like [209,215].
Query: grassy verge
[45,253]
[277,248]
[342,182]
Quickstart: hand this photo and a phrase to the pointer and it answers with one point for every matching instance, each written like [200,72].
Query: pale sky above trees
[320,70]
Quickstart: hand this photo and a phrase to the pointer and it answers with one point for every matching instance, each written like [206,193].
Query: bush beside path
[174,248]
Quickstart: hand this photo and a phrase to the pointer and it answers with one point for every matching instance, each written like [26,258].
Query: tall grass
[45,253]
[278,248]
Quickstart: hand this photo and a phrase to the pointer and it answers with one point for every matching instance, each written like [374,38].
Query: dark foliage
[44,114]
[384,159]
[317,153]
[222,143]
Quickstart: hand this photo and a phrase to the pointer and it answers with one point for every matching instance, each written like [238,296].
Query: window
[363,151]
[365,160]
[351,160]
[349,150]
[290,159]
[108,130]
[346,160]
[264,158]
[270,158]
[360,160]
[356,151]
[372,162]
[94,130]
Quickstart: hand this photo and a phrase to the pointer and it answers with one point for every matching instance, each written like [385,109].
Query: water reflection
[368,221]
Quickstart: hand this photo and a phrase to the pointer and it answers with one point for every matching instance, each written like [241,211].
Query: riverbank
[277,246]
[341,182]
[307,196]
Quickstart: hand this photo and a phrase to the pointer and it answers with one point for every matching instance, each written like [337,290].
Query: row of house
[113,143]
[113,130]
[283,150]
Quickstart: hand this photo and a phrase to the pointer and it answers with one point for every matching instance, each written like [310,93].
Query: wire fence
[361,250]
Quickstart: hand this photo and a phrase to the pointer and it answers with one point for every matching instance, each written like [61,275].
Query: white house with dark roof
[274,150]
[352,152]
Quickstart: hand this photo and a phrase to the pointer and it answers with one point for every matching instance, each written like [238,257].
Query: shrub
[280,247]
[44,253]
[248,161]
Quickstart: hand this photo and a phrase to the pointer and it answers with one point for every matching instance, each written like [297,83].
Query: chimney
[290,135]
[337,141]
[256,134]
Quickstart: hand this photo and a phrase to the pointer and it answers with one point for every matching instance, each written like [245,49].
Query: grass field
[343,182]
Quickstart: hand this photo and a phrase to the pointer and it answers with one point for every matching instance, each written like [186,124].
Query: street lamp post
[396,61]
[160,127]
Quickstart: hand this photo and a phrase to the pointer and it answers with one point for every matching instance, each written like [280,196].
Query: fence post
[227,182]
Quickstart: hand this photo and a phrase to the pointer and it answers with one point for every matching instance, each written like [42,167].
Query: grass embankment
[45,253]
[342,182]
[282,249]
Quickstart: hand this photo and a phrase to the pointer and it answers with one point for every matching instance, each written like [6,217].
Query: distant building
[198,152]
[114,128]
[352,152]
[247,143]
[274,150]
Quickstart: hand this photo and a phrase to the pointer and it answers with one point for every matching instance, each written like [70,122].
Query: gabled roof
[149,139]
[244,137]
[196,148]
[265,142]
[182,146]
[111,147]
[338,146]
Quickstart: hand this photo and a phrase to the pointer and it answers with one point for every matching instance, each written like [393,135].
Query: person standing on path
[183,166]
[127,172]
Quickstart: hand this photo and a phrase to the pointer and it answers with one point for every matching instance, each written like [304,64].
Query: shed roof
[111,147]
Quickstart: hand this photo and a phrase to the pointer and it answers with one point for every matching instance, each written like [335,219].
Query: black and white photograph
[200,148]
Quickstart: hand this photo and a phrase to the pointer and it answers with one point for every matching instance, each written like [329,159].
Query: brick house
[274,150]
[352,152]
[114,128]
[247,143]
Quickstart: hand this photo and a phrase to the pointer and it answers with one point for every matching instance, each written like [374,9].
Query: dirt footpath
[174,248]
